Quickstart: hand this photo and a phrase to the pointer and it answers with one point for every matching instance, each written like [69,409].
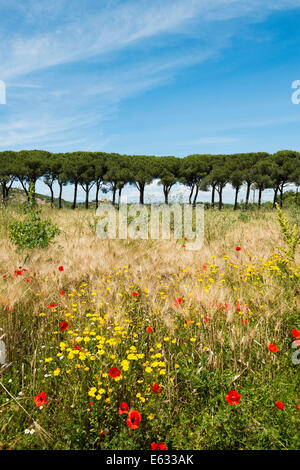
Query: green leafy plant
[291,235]
[32,232]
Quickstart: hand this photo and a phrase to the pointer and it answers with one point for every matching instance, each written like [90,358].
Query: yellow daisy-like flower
[125,365]
[92,392]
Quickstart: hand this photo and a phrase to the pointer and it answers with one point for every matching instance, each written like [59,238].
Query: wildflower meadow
[141,344]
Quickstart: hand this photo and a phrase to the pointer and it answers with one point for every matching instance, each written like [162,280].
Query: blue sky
[160,77]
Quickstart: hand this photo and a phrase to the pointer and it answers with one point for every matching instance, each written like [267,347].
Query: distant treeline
[111,172]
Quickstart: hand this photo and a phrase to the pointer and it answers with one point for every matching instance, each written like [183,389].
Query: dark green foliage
[111,172]
[32,232]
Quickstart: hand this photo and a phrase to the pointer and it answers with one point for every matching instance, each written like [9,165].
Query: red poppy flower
[61,268]
[273,348]
[279,405]
[123,408]
[238,307]
[245,322]
[204,267]
[62,292]
[51,305]
[28,280]
[149,329]
[17,272]
[134,419]
[238,248]
[41,399]
[157,388]
[298,407]
[77,347]
[159,446]
[114,372]
[295,333]
[178,301]
[206,319]
[64,325]
[183,246]
[135,294]
[233,397]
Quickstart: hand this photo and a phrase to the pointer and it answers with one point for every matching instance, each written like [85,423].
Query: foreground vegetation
[202,345]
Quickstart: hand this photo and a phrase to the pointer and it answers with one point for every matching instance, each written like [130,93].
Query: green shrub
[291,235]
[32,232]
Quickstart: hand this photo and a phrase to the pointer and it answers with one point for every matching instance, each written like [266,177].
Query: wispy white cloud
[44,108]
[87,32]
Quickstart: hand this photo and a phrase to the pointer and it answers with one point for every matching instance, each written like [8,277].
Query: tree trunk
[166,193]
[281,195]
[196,195]
[60,195]
[114,195]
[52,195]
[259,197]
[191,194]
[87,190]
[247,195]
[236,198]
[24,187]
[213,197]
[142,190]
[97,194]
[75,195]
[296,198]
[275,196]
[119,197]
[220,199]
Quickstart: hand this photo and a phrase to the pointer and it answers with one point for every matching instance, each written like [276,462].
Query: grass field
[96,324]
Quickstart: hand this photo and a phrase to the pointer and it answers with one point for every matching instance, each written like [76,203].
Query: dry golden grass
[87,258]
